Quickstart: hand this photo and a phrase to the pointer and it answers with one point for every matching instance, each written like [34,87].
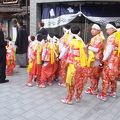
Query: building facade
[37,6]
[10,12]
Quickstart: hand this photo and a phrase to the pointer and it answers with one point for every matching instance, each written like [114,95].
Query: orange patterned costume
[95,52]
[63,62]
[50,65]
[10,59]
[111,67]
[34,55]
[77,72]
[119,68]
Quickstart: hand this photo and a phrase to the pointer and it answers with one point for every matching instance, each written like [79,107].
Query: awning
[102,13]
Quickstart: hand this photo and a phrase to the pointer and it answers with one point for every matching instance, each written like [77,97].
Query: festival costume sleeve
[108,52]
[64,50]
[95,45]
[93,49]
[43,53]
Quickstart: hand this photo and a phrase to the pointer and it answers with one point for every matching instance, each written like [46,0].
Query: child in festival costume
[111,63]
[118,36]
[10,58]
[62,47]
[95,55]
[50,64]
[77,63]
[56,40]
[31,40]
[34,55]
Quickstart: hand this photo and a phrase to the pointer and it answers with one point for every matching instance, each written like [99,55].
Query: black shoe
[35,79]
[4,81]
[23,66]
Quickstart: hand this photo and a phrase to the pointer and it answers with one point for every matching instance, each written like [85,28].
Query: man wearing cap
[111,61]
[95,55]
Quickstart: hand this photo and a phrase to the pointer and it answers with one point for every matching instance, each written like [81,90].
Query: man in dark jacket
[21,45]
[42,30]
[2,56]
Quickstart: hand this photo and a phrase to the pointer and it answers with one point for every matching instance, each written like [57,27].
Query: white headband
[118,29]
[95,26]
[108,26]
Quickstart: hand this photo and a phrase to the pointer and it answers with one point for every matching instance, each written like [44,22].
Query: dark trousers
[2,64]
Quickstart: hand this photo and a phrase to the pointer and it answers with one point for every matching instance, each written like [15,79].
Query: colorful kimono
[95,55]
[10,59]
[63,62]
[119,69]
[77,72]
[34,56]
[50,64]
[111,67]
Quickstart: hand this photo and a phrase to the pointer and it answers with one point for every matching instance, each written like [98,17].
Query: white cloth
[108,26]
[43,54]
[107,52]
[97,63]
[45,63]
[60,46]
[110,65]
[93,49]
[64,50]
[95,26]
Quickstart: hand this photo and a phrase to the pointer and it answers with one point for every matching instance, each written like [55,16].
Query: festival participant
[77,62]
[56,40]
[34,56]
[10,58]
[95,55]
[111,62]
[118,36]
[62,46]
[50,63]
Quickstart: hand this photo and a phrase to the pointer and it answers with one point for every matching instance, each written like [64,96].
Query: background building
[89,11]
[10,12]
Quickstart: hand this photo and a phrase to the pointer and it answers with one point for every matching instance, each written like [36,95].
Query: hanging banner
[59,15]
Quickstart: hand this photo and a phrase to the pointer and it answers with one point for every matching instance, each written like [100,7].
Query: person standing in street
[42,30]
[95,55]
[21,45]
[111,63]
[2,56]
[62,47]
[77,63]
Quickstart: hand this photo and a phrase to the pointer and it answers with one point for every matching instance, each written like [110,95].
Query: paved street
[18,102]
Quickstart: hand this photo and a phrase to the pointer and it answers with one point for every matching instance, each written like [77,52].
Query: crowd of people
[67,59]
